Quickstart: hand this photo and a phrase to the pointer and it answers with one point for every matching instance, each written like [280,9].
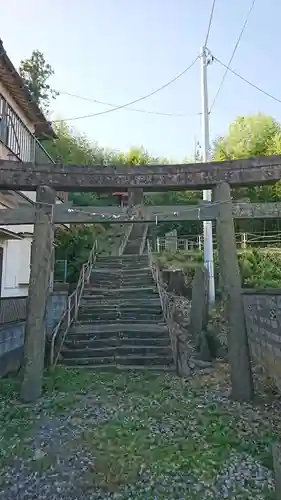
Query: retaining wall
[12,334]
[263,321]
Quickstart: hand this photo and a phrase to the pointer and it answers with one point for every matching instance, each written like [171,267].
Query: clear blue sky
[119,50]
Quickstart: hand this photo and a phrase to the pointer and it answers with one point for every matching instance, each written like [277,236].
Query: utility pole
[207,194]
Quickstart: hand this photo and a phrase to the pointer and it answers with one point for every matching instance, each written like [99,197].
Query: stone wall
[11,347]
[263,321]
[56,305]
[12,334]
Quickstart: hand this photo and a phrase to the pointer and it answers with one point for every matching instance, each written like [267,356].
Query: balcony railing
[15,135]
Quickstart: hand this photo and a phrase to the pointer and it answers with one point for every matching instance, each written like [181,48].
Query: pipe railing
[167,306]
[70,313]
[125,239]
[143,239]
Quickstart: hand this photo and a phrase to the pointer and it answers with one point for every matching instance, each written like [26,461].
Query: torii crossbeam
[71,214]
[250,171]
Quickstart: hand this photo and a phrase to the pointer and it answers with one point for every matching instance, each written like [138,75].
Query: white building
[22,125]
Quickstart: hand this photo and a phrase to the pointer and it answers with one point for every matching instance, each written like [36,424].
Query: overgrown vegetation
[260,268]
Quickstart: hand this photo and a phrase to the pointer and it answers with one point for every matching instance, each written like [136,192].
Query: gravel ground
[135,436]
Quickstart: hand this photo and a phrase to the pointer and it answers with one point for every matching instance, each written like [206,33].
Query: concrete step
[120,277]
[105,304]
[122,315]
[130,321]
[122,258]
[120,291]
[123,368]
[127,328]
[133,360]
[116,351]
[105,271]
[138,307]
[134,264]
[145,301]
[122,283]
[116,285]
[91,341]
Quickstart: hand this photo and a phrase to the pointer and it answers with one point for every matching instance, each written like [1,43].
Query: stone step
[112,301]
[118,368]
[121,270]
[116,351]
[130,321]
[146,329]
[138,307]
[122,265]
[122,258]
[132,290]
[116,285]
[134,299]
[122,282]
[120,276]
[118,360]
[113,316]
[91,341]
[130,272]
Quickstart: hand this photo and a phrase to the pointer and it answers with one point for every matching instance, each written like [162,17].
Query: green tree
[255,135]
[247,136]
[36,72]
[74,148]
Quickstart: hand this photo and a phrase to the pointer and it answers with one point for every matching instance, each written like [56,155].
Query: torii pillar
[38,293]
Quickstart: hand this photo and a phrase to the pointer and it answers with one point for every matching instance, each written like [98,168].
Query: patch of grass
[159,423]
[160,427]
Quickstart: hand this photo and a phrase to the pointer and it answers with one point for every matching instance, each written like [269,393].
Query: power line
[95,101]
[247,81]
[210,23]
[233,52]
[135,100]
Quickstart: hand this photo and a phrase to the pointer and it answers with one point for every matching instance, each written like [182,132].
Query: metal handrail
[125,239]
[168,311]
[71,311]
[143,240]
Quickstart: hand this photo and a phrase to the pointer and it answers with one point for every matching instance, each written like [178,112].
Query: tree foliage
[247,136]
[36,72]
[255,135]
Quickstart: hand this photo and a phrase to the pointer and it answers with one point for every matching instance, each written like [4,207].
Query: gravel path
[135,436]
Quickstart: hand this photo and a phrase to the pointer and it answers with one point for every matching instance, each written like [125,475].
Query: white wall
[16,267]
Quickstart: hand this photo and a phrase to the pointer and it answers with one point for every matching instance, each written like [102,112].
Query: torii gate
[219,176]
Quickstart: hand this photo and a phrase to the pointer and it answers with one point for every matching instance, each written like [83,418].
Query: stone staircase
[135,239]
[120,322]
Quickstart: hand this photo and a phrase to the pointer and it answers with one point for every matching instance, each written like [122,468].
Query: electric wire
[233,53]
[105,103]
[210,23]
[248,81]
[122,106]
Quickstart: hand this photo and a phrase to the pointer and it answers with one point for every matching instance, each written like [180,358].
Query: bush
[259,268]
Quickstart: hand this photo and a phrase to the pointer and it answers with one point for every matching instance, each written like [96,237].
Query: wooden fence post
[238,349]
[38,291]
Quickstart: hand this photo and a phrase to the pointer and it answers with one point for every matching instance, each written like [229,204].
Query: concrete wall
[56,306]
[12,334]
[16,267]
[263,321]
